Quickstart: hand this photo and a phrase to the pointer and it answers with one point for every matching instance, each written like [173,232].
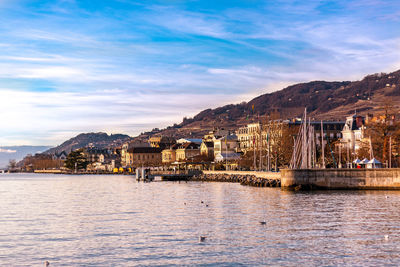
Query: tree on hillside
[12,164]
[381,131]
[76,160]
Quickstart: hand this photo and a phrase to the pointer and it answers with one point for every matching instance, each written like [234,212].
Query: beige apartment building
[186,151]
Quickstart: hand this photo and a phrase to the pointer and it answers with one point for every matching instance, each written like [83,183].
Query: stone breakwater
[247,179]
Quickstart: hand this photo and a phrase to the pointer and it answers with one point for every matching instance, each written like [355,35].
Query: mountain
[324,100]
[17,153]
[100,140]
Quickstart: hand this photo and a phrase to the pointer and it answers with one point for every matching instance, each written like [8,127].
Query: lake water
[116,221]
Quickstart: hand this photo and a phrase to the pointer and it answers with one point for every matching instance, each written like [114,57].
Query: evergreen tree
[76,160]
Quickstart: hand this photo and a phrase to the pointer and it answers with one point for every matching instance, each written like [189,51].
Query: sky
[120,66]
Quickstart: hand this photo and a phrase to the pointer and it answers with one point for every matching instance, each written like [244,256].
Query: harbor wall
[259,179]
[342,178]
[267,175]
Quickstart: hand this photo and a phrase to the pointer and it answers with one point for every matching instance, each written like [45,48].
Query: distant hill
[324,100]
[17,153]
[100,140]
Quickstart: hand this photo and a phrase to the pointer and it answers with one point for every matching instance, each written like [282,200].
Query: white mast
[322,145]
[260,146]
[309,145]
[390,152]
[371,152]
[304,144]
[268,157]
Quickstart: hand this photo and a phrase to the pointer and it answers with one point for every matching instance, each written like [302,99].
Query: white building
[225,144]
[353,132]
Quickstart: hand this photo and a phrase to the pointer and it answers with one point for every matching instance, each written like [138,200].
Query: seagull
[386,237]
[202,238]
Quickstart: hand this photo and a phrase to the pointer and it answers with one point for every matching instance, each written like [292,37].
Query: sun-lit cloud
[2,150]
[119,66]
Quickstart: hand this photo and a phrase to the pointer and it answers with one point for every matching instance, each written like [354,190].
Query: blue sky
[121,66]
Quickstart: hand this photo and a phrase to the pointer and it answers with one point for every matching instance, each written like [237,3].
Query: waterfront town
[358,142]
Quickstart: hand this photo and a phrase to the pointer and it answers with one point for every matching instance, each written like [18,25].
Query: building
[353,133]
[99,159]
[60,156]
[125,159]
[145,156]
[189,140]
[169,154]
[225,144]
[248,136]
[207,148]
[215,134]
[187,151]
[230,156]
[255,135]
[94,154]
[161,141]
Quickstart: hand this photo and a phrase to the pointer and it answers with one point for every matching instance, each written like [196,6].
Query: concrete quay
[258,179]
[341,179]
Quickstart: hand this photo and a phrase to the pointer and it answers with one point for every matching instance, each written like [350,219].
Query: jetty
[341,178]
[162,175]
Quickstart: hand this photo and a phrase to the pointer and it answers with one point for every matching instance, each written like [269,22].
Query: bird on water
[46,263]
[202,238]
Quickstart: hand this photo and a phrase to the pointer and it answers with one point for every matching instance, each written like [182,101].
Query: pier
[341,178]
[179,175]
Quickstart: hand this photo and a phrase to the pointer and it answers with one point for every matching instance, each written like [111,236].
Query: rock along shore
[250,180]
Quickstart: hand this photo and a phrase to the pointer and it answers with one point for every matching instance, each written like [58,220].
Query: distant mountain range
[324,100]
[100,140]
[17,153]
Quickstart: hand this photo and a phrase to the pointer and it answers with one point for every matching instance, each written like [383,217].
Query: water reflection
[115,221]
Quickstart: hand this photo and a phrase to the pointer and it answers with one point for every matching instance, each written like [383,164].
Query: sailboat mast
[322,145]
[304,144]
[390,152]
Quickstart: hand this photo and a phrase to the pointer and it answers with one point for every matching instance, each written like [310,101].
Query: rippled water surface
[116,221]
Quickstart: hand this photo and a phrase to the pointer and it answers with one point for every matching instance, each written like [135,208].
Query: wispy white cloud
[2,150]
[67,68]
